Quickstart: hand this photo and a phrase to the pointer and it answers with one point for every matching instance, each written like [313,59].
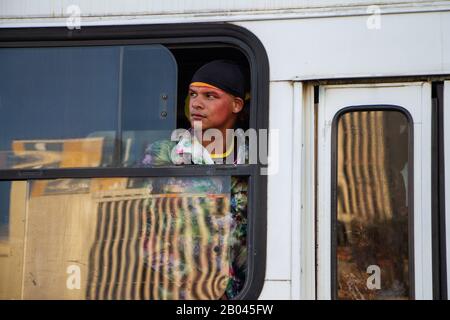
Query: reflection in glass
[372,206]
[126,238]
[95,106]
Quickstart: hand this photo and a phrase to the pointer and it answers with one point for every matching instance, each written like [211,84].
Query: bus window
[126,238]
[96,106]
[92,204]
[373,215]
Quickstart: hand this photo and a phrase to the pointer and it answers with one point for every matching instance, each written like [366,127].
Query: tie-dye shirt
[188,151]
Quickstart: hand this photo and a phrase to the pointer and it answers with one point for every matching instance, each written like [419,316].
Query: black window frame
[334,159]
[438,194]
[193,34]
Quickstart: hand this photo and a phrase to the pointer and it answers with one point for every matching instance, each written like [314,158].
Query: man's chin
[200,124]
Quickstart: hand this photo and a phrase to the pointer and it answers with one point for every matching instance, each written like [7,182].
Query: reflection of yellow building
[126,244]
[61,153]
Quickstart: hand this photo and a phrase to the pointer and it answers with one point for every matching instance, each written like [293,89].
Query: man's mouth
[197,116]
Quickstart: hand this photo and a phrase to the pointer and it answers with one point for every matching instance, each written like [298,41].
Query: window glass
[125,238]
[93,106]
[373,212]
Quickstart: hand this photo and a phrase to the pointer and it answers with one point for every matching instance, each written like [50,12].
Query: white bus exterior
[356,52]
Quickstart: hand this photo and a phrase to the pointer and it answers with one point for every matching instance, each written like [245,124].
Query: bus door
[374,209]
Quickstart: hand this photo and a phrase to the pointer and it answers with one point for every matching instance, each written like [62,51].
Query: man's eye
[192,94]
[210,96]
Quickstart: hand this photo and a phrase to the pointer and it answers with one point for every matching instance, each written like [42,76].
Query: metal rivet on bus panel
[163,114]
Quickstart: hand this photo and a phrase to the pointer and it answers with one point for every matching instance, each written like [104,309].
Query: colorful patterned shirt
[189,151]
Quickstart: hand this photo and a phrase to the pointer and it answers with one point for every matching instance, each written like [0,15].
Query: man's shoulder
[158,152]
[161,144]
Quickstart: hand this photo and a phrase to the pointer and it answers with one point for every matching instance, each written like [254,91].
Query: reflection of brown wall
[60,229]
[11,259]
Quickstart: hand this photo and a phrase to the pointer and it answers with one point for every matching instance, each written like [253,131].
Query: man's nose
[197,103]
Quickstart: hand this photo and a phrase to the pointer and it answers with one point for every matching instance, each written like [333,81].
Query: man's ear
[238,104]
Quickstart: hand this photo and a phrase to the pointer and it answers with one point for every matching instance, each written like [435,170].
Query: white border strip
[323,201]
[297,190]
[308,214]
[423,270]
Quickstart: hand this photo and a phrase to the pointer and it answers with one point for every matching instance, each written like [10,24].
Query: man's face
[214,108]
